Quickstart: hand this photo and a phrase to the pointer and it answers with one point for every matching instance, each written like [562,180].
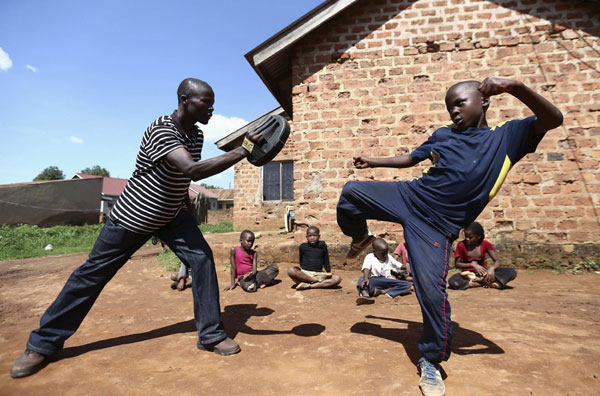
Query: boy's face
[472,239]
[465,104]
[312,236]
[381,252]
[247,240]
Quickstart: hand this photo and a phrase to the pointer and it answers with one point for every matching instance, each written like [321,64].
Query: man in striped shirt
[169,158]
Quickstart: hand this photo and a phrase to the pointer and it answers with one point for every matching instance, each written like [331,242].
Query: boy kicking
[470,160]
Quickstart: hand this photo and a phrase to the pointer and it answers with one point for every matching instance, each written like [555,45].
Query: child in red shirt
[470,258]
[244,270]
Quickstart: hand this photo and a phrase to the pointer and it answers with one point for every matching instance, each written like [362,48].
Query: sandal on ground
[358,247]
[364,300]
[303,286]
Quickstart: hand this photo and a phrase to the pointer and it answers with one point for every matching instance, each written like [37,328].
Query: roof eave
[272,59]
[235,138]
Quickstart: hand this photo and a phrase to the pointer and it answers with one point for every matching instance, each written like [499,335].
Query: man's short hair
[190,86]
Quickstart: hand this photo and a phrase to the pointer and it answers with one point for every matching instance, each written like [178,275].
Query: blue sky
[81,80]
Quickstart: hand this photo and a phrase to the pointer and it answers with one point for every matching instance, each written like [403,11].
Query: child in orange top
[470,258]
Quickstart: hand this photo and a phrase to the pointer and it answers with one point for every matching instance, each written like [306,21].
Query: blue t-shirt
[468,168]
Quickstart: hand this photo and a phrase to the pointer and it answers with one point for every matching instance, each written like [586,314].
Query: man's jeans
[114,246]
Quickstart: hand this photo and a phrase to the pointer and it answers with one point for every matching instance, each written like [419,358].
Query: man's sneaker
[28,363]
[431,383]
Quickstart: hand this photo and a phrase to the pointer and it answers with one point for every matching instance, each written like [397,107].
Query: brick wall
[216,216]
[373,80]
[249,210]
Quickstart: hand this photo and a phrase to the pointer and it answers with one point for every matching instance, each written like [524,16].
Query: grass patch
[171,262]
[224,226]
[24,241]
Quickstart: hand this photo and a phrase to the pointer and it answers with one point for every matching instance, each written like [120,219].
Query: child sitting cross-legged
[380,272]
[470,259]
[314,258]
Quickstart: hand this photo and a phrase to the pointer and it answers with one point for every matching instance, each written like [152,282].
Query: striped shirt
[154,194]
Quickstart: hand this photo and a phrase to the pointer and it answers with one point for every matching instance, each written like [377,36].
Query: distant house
[196,189]
[224,198]
[112,187]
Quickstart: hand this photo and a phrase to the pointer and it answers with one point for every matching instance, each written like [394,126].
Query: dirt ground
[539,338]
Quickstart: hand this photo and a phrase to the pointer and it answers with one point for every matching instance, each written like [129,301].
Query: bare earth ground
[539,338]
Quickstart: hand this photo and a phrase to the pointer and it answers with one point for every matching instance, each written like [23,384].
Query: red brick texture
[372,81]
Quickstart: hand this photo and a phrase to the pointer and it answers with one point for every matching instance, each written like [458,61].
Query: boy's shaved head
[472,84]
[314,229]
[244,233]
[380,243]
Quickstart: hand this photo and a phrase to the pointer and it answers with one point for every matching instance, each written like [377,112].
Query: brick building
[369,77]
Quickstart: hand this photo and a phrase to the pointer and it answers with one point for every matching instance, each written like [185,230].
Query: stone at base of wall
[558,257]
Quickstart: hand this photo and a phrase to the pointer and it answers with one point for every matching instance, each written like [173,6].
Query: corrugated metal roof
[225,194]
[110,185]
[196,189]
[113,186]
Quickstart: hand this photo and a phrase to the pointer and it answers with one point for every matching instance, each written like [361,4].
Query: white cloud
[5,61]
[76,140]
[220,126]
[32,68]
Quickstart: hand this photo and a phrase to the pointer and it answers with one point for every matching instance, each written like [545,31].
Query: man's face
[465,104]
[199,104]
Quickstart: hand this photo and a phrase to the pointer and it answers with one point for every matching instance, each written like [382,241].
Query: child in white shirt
[379,275]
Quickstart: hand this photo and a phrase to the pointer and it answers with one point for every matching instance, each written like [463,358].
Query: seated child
[243,266]
[378,275]
[181,280]
[401,254]
[470,258]
[314,257]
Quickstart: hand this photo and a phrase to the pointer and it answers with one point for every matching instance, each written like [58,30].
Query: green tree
[96,170]
[209,186]
[50,173]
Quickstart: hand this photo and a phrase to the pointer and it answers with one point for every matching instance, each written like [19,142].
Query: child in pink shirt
[244,266]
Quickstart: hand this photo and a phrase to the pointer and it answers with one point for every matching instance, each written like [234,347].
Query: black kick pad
[276,130]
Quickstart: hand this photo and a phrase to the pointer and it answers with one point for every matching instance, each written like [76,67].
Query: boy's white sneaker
[431,383]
